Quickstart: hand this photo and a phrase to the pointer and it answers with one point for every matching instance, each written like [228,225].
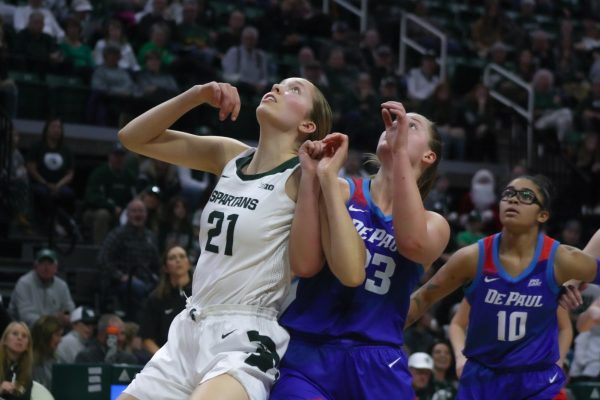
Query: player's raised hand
[309,154]
[222,96]
[334,155]
[396,124]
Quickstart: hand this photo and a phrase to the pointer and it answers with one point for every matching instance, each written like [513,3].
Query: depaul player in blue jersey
[377,237]
[512,282]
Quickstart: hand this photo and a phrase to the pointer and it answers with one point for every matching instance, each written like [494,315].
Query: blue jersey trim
[480,257]
[352,189]
[502,272]
[550,277]
[372,206]
[597,279]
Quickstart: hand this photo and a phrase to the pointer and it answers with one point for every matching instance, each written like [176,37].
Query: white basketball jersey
[244,234]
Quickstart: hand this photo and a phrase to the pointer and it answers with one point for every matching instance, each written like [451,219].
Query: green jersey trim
[243,161]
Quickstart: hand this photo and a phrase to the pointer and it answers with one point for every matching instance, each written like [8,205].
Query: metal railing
[407,41]
[361,12]
[526,113]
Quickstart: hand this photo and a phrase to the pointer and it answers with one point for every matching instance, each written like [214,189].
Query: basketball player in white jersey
[227,343]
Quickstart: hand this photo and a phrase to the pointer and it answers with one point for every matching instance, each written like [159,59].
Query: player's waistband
[346,341]
[515,369]
[197,312]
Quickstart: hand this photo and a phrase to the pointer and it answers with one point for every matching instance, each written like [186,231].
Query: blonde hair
[321,115]
[25,361]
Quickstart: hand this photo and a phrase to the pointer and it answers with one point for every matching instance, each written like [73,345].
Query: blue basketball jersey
[376,310]
[512,323]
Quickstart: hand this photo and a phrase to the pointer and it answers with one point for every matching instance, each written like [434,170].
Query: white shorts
[245,342]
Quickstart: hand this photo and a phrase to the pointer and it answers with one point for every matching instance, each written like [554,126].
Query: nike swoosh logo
[551,380]
[394,362]
[224,176]
[223,336]
[352,208]
[169,311]
[487,279]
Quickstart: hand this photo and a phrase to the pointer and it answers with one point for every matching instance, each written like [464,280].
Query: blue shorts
[331,371]
[479,382]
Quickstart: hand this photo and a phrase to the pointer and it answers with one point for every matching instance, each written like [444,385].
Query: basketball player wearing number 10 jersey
[346,342]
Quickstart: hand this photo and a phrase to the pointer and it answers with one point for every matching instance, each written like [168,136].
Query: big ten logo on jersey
[379,237]
[266,186]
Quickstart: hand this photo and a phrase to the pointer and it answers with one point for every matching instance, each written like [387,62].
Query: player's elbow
[353,279]
[306,269]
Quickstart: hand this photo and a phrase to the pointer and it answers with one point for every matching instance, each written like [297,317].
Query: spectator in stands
[589,108]
[489,28]
[40,292]
[83,321]
[480,120]
[8,88]
[341,78]
[115,36]
[158,42]
[542,50]
[77,55]
[549,111]
[443,377]
[167,300]
[129,259]
[16,362]
[473,230]
[46,334]
[18,191]
[100,349]
[246,66]
[313,72]
[420,365]
[391,89]
[4,317]
[526,19]
[113,90]
[590,40]
[420,336]
[155,85]
[482,197]
[158,16]
[571,233]
[191,37]
[134,344]
[35,50]
[384,64]
[354,166]
[51,169]
[22,18]
[193,185]
[91,26]
[525,65]
[422,81]
[154,172]
[442,108]
[230,37]
[109,188]
[152,197]
[176,227]
[363,113]
[368,48]
[588,163]
[439,198]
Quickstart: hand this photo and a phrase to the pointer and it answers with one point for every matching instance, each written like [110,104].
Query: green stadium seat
[585,390]
[68,97]
[33,93]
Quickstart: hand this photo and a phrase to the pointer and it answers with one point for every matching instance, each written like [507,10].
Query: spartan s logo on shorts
[265,357]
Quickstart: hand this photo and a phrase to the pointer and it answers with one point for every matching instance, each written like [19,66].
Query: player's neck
[271,152]
[381,191]
[520,243]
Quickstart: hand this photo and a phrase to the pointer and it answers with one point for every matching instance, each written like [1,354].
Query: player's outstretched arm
[457,333]
[148,134]
[306,251]
[459,270]
[572,263]
[344,248]
[421,235]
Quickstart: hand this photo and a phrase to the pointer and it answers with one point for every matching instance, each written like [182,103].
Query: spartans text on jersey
[233,201]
